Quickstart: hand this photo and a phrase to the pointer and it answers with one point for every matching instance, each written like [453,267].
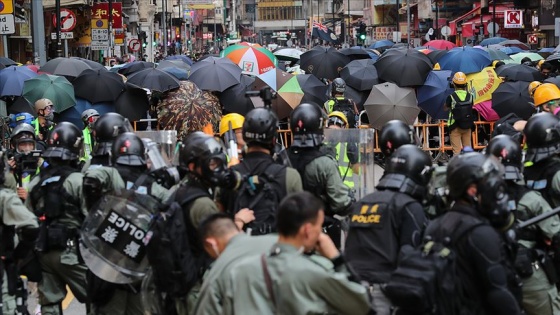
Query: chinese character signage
[101,11]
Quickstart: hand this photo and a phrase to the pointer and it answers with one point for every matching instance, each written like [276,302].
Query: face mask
[49,117]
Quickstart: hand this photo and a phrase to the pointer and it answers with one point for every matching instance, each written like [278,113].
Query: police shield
[166,140]
[114,237]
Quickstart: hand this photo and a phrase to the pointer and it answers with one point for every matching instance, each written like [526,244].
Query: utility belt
[528,260]
[262,228]
[55,237]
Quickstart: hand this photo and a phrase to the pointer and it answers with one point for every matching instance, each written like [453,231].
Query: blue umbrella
[492,41]
[11,80]
[180,57]
[381,44]
[180,74]
[434,92]
[547,50]
[511,50]
[465,59]
[74,114]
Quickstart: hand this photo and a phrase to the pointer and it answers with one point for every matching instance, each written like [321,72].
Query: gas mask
[493,200]
[165,175]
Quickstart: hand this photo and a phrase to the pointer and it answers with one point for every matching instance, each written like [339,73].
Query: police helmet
[394,134]
[408,170]
[508,152]
[65,141]
[205,152]
[307,123]
[542,136]
[106,129]
[128,149]
[464,170]
[338,86]
[22,133]
[89,116]
[260,128]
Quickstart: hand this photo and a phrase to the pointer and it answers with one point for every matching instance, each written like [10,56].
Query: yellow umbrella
[483,83]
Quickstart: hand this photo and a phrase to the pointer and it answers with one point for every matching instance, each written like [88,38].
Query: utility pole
[58,42]
[39,49]
[111,49]
[408,23]
[164,23]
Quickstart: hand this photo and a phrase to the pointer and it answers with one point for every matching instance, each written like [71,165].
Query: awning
[50,4]
[473,17]
[404,9]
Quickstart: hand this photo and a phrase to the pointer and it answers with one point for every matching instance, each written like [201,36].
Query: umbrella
[94,65]
[234,100]
[288,54]
[178,73]
[288,91]
[518,72]
[250,44]
[188,109]
[385,43]
[496,54]
[33,68]
[511,50]
[356,53]
[514,43]
[360,74]
[154,79]
[133,67]
[314,90]
[98,86]
[547,50]
[434,92]
[74,113]
[405,67]
[440,44]
[21,105]
[485,110]
[359,97]
[183,58]
[5,61]
[56,88]
[70,68]
[274,79]
[173,64]
[208,56]
[554,80]
[531,55]
[465,59]
[435,55]
[133,103]
[496,46]
[483,83]
[2,67]
[323,62]
[513,97]
[492,41]
[215,74]
[387,101]
[12,78]
[252,60]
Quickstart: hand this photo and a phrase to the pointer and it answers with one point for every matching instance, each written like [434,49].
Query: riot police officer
[540,295]
[394,134]
[384,221]
[318,170]
[106,128]
[56,198]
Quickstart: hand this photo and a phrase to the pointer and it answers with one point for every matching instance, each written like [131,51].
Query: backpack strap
[268,279]
[270,176]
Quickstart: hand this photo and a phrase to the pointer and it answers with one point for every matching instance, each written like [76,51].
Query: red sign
[101,11]
[532,39]
[134,44]
[513,19]
[68,19]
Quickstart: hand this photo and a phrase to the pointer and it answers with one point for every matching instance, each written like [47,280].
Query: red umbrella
[440,44]
[33,68]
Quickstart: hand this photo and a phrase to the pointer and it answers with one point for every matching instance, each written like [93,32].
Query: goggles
[336,121]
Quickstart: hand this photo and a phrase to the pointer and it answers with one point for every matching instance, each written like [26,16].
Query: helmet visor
[336,121]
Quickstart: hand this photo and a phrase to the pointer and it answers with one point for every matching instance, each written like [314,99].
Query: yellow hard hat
[236,122]
[494,63]
[539,64]
[338,117]
[533,86]
[42,104]
[459,78]
[437,66]
[545,93]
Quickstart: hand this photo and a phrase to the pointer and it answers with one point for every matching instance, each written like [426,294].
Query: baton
[539,218]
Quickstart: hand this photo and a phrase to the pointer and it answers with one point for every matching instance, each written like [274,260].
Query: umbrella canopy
[387,101]
[154,79]
[385,43]
[513,97]
[554,80]
[56,88]
[189,109]
[434,92]
[178,73]
[133,103]
[288,90]
[2,67]
[215,74]
[133,67]
[12,78]
[323,62]
[547,50]
[252,60]
[465,59]
[440,44]
[492,41]
[514,43]
[360,74]
[70,68]
[274,79]
[21,105]
[173,64]
[531,55]
[94,65]
[234,100]
[314,90]
[74,113]
[5,61]
[483,83]
[183,58]
[485,110]
[435,55]
[511,50]
[359,97]
[356,53]
[288,54]
[518,72]
[405,67]
[496,54]
[98,86]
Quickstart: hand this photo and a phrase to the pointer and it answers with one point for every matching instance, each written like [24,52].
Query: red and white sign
[513,19]
[532,39]
[67,20]
[134,45]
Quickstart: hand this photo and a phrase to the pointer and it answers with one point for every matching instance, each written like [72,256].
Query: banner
[101,11]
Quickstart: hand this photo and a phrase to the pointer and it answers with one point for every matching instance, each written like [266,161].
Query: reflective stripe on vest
[344,165]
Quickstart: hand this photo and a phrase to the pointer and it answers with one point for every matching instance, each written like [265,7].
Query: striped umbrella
[251,60]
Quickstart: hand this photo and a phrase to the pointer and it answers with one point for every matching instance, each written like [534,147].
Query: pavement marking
[68,299]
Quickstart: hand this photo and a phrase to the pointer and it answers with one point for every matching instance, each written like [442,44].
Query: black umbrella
[174,64]
[208,56]
[133,67]
[5,61]
[215,74]
[314,91]
[360,74]
[93,64]
[355,53]
[133,103]
[154,79]
[517,72]
[436,54]
[404,67]
[2,66]
[67,67]
[513,97]
[233,99]
[554,80]
[323,62]
[21,105]
[359,97]
[98,85]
